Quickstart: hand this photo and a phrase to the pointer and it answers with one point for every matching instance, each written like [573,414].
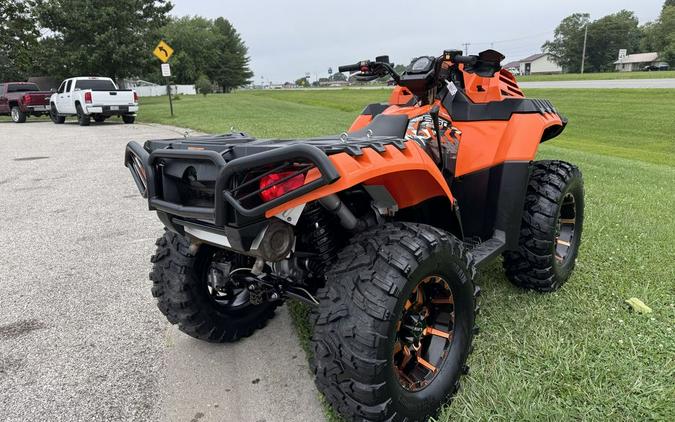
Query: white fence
[157,90]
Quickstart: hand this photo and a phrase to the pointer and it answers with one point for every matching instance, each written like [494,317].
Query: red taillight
[286,183]
[26,99]
[135,97]
[87,97]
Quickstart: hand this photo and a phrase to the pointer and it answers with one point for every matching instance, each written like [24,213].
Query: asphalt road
[80,336]
[617,83]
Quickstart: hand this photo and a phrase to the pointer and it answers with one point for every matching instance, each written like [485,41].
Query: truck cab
[92,97]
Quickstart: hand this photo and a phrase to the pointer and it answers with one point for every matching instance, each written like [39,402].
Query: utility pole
[466,48]
[583,54]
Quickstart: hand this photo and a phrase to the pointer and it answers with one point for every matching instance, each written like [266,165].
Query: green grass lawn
[631,123]
[597,76]
[579,353]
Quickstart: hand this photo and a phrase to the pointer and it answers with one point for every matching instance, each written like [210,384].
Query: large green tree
[567,45]
[210,47]
[659,36]
[18,39]
[609,34]
[101,37]
[230,69]
[194,42]
[606,36]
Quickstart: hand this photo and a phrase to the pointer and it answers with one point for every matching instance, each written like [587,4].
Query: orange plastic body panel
[361,121]
[400,95]
[488,143]
[409,174]
[484,90]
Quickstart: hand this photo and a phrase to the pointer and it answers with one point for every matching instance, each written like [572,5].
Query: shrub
[204,85]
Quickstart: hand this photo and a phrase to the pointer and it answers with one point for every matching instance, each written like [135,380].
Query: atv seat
[384,125]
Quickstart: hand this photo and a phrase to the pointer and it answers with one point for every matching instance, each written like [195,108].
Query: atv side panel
[409,175]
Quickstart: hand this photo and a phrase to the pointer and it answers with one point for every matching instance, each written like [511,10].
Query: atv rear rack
[145,168]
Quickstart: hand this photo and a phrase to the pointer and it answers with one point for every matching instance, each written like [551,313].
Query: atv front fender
[409,175]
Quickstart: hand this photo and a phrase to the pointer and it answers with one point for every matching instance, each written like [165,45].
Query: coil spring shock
[319,236]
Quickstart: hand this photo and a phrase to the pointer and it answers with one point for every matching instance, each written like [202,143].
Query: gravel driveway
[80,335]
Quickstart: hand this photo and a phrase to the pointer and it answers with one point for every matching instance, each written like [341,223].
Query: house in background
[513,67]
[541,63]
[635,62]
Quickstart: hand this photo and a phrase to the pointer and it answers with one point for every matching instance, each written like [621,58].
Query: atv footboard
[202,190]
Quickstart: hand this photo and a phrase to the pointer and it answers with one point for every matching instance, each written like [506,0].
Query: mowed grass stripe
[598,76]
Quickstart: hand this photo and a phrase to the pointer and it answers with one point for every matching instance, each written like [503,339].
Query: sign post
[163,52]
[166,72]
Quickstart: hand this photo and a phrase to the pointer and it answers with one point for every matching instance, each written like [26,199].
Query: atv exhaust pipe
[348,220]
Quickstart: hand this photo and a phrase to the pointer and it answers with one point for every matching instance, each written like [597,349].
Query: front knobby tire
[369,314]
[54,115]
[550,232]
[180,286]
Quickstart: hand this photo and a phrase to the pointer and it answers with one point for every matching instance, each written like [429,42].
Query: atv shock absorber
[319,237]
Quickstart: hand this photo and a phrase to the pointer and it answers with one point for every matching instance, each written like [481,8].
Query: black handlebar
[465,59]
[350,67]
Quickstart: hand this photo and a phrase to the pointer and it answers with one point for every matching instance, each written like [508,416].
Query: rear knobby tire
[356,325]
[18,116]
[128,119]
[181,290]
[551,227]
[82,118]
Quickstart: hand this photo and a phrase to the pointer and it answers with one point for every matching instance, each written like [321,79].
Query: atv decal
[421,130]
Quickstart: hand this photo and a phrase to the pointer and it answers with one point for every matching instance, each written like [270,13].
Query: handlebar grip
[350,67]
[465,59]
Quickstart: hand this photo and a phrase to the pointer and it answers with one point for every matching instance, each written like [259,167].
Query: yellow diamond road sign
[163,51]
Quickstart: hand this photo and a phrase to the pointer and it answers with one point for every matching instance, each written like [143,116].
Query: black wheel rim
[565,238]
[424,334]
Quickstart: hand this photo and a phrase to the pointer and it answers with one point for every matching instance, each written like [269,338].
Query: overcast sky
[288,38]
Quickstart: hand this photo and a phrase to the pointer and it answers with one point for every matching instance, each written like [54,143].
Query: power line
[514,39]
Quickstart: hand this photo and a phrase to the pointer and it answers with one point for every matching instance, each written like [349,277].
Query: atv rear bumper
[227,221]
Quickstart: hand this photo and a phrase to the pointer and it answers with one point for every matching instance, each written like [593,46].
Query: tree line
[115,38]
[607,35]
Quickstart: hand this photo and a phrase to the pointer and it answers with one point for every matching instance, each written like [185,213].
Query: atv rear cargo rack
[146,168]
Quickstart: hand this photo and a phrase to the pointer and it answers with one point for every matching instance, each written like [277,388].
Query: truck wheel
[183,293]
[99,119]
[82,119]
[18,116]
[54,115]
[395,323]
[550,233]
[129,119]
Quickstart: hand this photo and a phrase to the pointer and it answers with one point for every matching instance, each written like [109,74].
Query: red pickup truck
[23,99]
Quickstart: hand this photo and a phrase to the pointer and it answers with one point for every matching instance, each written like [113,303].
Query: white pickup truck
[92,97]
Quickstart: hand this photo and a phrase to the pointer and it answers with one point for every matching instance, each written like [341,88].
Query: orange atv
[381,229]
